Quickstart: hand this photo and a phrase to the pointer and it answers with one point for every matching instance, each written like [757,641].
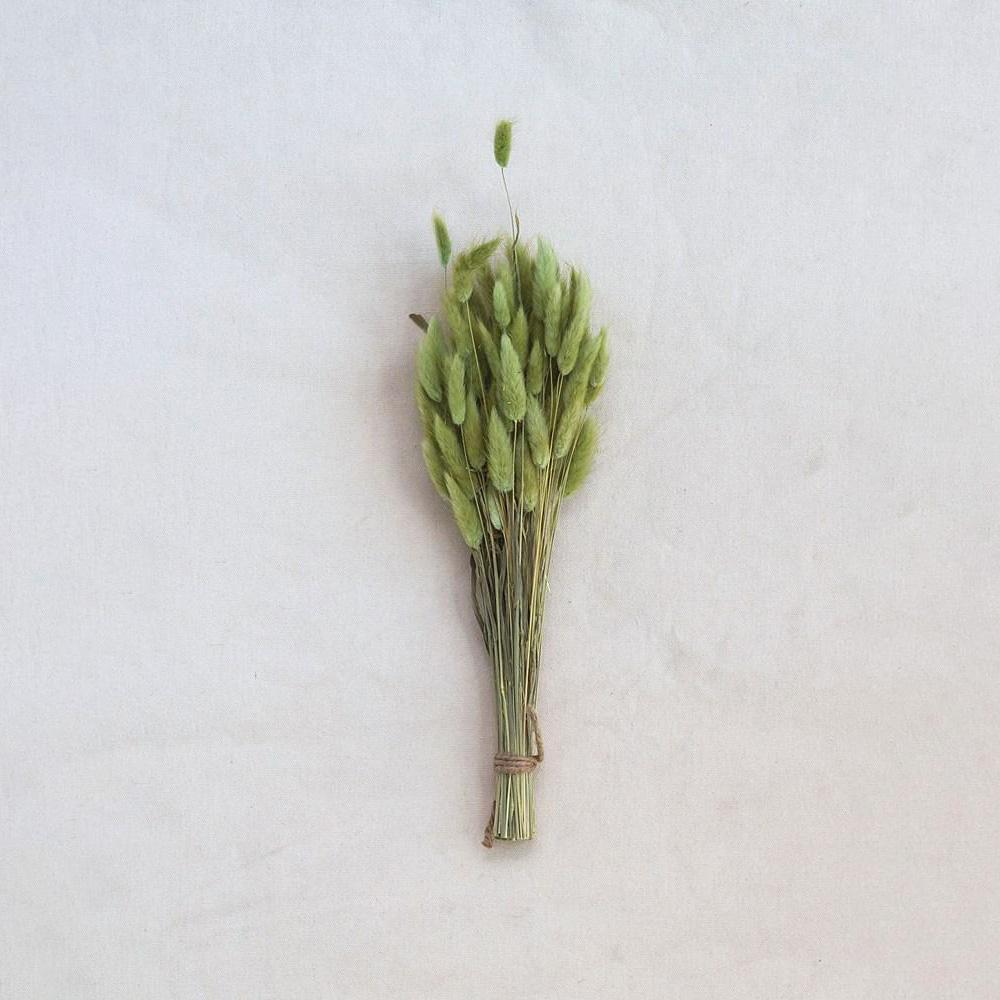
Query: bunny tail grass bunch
[506,376]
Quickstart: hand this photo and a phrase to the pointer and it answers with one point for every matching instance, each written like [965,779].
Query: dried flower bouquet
[504,385]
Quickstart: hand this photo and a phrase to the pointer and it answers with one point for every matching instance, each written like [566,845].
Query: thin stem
[513,235]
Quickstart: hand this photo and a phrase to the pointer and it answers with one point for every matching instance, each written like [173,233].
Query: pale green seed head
[545,275]
[502,141]
[569,423]
[573,337]
[472,430]
[493,508]
[536,427]
[429,356]
[478,255]
[525,273]
[535,376]
[546,265]
[599,369]
[426,407]
[582,457]
[466,515]
[575,389]
[435,470]
[468,266]
[553,312]
[456,388]
[526,485]
[462,284]
[442,239]
[506,278]
[581,299]
[458,322]
[501,305]
[519,336]
[585,359]
[568,295]
[451,453]
[482,295]
[499,453]
[487,348]
[511,393]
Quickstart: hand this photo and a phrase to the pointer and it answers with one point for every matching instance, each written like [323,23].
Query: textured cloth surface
[246,730]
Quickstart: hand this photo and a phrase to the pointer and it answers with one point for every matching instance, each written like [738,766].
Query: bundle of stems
[504,384]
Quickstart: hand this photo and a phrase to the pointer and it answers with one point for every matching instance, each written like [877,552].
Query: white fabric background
[245,729]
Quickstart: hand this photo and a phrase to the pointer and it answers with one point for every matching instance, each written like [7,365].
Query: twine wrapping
[512,763]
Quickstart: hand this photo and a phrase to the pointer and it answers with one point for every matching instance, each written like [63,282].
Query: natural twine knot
[512,763]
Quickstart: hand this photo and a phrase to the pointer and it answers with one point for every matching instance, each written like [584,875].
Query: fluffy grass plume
[499,453]
[511,396]
[487,349]
[501,142]
[493,508]
[582,457]
[579,380]
[534,377]
[505,278]
[536,426]
[429,358]
[501,305]
[434,467]
[544,277]
[465,514]
[451,453]
[442,239]
[599,371]
[504,382]
[525,480]
[519,336]
[569,424]
[456,388]
[577,329]
[552,320]
[472,429]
